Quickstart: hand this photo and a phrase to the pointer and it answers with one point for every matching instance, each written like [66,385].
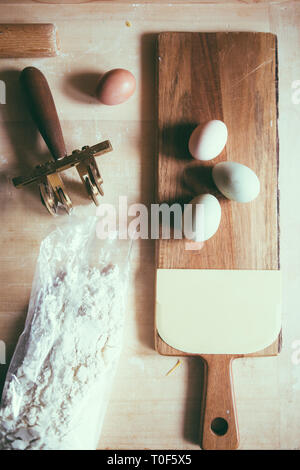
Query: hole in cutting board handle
[219,426]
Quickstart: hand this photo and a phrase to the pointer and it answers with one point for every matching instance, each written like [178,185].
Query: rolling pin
[28,40]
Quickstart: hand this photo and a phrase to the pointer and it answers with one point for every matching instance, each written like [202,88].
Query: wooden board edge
[275,348]
[164,349]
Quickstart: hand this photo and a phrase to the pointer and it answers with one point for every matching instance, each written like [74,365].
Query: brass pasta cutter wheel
[47,175]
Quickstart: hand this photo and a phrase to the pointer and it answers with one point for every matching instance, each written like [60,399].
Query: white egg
[202,217]
[236,181]
[207,141]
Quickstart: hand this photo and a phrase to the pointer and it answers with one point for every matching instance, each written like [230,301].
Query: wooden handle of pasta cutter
[43,110]
[219,428]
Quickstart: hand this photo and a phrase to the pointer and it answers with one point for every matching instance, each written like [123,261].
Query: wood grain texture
[231,77]
[28,40]
[218,2]
[207,86]
[153,411]
[218,369]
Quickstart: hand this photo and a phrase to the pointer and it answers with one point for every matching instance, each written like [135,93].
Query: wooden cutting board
[231,77]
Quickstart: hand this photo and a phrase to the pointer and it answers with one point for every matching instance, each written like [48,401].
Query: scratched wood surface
[231,77]
[198,82]
[147,409]
[142,1]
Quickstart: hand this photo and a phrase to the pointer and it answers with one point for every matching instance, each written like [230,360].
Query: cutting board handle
[43,110]
[219,428]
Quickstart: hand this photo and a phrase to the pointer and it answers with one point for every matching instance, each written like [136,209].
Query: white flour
[59,380]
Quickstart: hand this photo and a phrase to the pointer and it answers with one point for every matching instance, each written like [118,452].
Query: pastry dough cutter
[47,175]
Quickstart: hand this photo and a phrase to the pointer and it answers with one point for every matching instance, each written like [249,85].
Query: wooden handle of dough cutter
[43,110]
[219,428]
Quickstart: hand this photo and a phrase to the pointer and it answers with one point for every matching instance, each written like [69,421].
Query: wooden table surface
[148,409]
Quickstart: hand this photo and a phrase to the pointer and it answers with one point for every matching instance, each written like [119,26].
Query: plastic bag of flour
[59,380]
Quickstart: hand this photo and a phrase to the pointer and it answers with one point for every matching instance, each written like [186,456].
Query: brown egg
[115,87]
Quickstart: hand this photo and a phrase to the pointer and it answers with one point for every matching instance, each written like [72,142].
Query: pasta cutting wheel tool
[51,185]
[47,175]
